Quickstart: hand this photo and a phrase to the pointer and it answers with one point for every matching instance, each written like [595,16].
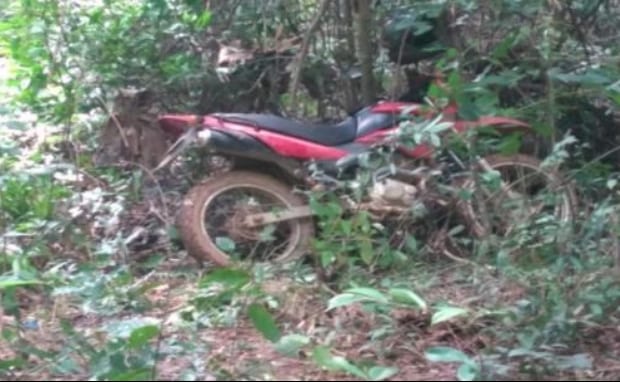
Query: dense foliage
[95,284]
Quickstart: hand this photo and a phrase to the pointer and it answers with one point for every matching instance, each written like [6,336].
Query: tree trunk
[364,49]
[348,20]
[348,33]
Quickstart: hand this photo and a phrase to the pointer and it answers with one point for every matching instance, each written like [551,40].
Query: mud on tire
[202,245]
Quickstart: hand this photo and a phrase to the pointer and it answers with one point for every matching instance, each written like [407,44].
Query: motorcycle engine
[393,193]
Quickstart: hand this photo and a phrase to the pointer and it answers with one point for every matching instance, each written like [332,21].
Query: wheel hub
[236,224]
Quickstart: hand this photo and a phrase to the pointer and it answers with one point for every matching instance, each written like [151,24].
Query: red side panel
[297,148]
[394,107]
[375,137]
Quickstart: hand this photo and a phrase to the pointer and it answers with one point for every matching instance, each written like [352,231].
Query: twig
[160,338]
[116,122]
[616,242]
[157,185]
[304,51]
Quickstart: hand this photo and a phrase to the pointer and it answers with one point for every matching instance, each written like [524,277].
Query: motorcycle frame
[283,153]
[255,148]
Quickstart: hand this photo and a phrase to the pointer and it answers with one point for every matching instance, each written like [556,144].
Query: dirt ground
[239,351]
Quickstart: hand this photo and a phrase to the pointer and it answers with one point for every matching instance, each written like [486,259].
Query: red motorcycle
[231,214]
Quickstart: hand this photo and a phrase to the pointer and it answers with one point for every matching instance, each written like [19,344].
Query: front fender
[500,124]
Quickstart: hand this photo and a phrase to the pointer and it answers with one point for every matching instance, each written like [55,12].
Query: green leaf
[366,251]
[467,372]
[445,354]
[446,313]
[16,363]
[412,244]
[324,358]
[229,277]
[126,328]
[510,145]
[590,77]
[264,322]
[204,19]
[225,244]
[289,345]
[141,374]
[369,293]
[407,296]
[502,48]
[574,362]
[66,366]
[356,295]
[611,183]
[344,299]
[380,373]
[141,336]
[10,282]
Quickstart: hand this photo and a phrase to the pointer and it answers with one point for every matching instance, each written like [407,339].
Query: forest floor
[239,351]
[221,343]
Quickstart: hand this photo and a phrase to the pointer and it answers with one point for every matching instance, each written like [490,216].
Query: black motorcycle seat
[323,134]
[361,123]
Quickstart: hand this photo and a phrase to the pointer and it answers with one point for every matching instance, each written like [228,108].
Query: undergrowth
[83,294]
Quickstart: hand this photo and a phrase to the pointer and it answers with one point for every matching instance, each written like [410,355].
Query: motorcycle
[271,156]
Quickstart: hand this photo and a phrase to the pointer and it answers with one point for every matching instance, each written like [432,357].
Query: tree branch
[299,59]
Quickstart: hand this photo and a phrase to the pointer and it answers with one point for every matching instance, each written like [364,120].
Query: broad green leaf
[510,144]
[591,77]
[354,295]
[366,251]
[141,336]
[380,373]
[141,374]
[290,344]
[204,19]
[10,282]
[225,244]
[407,296]
[344,299]
[323,357]
[445,354]
[66,365]
[227,276]
[467,372]
[611,183]
[125,328]
[370,293]
[412,244]
[577,361]
[503,47]
[446,313]
[264,322]
[16,362]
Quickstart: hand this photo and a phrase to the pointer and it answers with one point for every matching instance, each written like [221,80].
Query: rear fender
[177,124]
[237,146]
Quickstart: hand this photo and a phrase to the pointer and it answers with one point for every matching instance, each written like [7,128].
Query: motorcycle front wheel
[210,220]
[509,194]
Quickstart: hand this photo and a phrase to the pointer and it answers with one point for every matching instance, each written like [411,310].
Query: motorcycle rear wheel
[209,238]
